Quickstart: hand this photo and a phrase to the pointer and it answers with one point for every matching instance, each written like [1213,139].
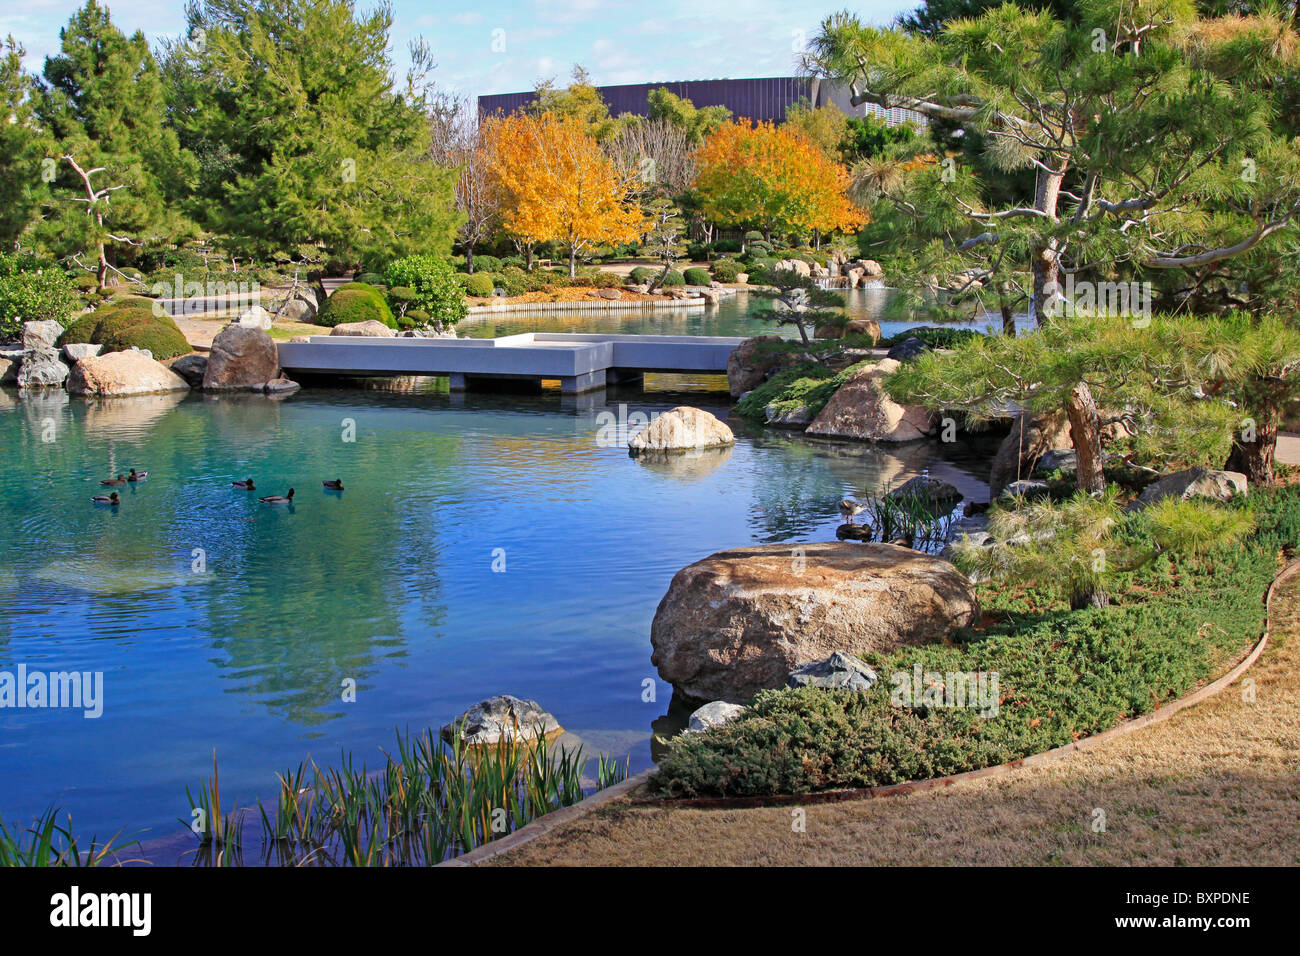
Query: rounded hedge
[673,278]
[480,284]
[433,280]
[726,270]
[641,275]
[697,276]
[356,302]
[126,326]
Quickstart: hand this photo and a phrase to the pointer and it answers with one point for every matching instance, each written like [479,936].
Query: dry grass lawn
[1218,783]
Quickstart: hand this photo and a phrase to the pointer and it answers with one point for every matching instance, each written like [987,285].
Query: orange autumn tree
[775,179]
[558,185]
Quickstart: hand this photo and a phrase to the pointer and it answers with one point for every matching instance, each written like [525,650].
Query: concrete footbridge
[581,362]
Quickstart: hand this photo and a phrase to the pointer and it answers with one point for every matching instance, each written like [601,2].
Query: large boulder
[740,621]
[241,359]
[1032,436]
[680,429]
[41,368]
[8,371]
[746,368]
[861,409]
[370,328]
[1198,482]
[41,336]
[908,350]
[868,327]
[123,373]
[504,717]
[939,496]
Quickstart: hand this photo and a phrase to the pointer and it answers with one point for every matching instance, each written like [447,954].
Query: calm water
[390,583]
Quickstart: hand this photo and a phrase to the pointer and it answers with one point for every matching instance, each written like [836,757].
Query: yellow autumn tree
[775,179]
[556,184]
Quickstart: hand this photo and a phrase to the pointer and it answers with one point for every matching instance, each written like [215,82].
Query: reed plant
[46,843]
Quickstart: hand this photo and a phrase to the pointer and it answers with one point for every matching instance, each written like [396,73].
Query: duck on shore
[278,499]
[335,485]
[137,475]
[246,484]
[107,499]
[119,480]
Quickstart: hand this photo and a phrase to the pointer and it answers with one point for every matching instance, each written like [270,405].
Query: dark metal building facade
[765,98]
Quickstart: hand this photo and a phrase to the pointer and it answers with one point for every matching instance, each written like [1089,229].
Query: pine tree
[22,147]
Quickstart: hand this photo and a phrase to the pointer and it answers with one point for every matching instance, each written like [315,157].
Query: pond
[484,544]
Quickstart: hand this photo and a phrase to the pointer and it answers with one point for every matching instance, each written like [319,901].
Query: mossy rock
[356,302]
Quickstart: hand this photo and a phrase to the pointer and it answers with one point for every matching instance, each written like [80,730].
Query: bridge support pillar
[586,382]
[619,376]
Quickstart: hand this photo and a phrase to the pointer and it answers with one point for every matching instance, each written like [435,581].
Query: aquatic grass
[435,797]
[46,844]
[222,834]
[913,515]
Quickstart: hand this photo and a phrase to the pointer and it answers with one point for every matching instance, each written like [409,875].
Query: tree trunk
[1089,595]
[1004,304]
[1085,431]
[1046,258]
[1254,459]
[469,259]
[573,260]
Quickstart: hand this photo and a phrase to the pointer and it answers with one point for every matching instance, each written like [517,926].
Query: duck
[107,499]
[246,484]
[278,499]
[119,480]
[335,485]
[137,475]
[849,508]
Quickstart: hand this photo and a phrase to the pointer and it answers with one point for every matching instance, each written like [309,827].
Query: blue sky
[618,41]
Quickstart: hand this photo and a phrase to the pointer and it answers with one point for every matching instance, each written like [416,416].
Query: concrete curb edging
[551,821]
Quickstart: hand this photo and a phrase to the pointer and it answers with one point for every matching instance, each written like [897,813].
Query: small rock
[42,368]
[609,293]
[76,351]
[8,371]
[1058,459]
[371,328]
[941,496]
[714,714]
[1198,482]
[840,670]
[1027,488]
[280,386]
[255,318]
[908,349]
[297,310]
[503,717]
[191,368]
[799,416]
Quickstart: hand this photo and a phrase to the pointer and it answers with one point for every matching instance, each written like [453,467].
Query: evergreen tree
[119,170]
[303,139]
[22,148]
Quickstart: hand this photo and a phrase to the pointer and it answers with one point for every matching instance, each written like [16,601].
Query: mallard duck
[246,484]
[119,480]
[107,499]
[849,508]
[335,485]
[137,475]
[278,499]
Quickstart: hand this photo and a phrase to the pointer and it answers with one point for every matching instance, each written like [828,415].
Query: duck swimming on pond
[849,508]
[335,485]
[107,499]
[119,480]
[278,499]
[246,484]
[137,475]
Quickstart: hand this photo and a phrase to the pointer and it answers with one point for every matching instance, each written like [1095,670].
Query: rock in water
[504,717]
[242,359]
[680,429]
[741,620]
[862,410]
[371,328]
[940,496]
[123,373]
[1198,482]
[747,367]
[714,714]
[191,368]
[41,368]
[837,671]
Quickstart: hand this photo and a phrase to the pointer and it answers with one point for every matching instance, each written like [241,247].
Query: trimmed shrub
[128,325]
[727,245]
[80,331]
[480,284]
[673,278]
[641,275]
[753,236]
[34,297]
[400,299]
[606,280]
[487,264]
[726,270]
[434,283]
[418,317]
[355,302]
[697,276]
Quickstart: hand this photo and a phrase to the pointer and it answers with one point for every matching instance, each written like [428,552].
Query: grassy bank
[1062,675]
